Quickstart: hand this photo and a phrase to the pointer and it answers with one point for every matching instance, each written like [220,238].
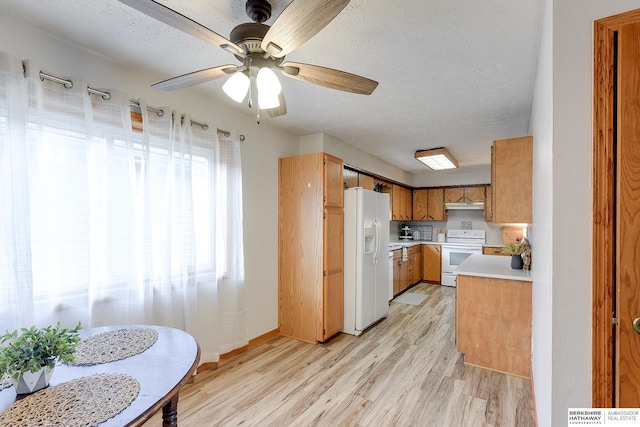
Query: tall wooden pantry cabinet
[310,247]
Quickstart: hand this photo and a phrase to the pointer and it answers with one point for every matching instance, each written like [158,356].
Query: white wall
[353,156]
[562,129]
[542,248]
[260,152]
[478,174]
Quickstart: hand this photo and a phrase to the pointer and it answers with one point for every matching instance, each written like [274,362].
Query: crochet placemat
[86,401]
[114,345]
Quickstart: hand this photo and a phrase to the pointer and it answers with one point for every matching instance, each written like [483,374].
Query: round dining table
[161,371]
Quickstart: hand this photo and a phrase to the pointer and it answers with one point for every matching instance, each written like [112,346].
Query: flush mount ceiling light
[437,159]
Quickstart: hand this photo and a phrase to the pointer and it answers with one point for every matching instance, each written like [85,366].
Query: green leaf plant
[35,348]
[517,248]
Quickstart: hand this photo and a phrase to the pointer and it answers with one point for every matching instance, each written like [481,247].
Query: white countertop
[394,245]
[493,266]
[410,242]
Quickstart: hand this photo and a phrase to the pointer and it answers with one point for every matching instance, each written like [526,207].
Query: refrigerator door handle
[376,236]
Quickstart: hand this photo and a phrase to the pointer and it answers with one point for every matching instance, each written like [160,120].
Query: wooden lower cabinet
[432,263]
[493,323]
[399,272]
[407,273]
[333,280]
[416,254]
[492,250]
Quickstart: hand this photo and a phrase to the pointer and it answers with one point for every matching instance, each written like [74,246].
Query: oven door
[452,256]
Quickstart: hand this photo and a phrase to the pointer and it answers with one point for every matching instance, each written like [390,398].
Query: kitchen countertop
[498,267]
[398,244]
[395,245]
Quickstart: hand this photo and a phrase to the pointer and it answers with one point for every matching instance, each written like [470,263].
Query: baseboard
[252,344]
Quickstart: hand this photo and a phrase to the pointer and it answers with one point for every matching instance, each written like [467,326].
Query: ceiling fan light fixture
[267,82]
[268,100]
[437,159]
[237,86]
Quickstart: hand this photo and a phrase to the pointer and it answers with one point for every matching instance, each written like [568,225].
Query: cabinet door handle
[636,325]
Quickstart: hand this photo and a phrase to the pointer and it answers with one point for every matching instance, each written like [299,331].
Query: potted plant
[29,358]
[516,250]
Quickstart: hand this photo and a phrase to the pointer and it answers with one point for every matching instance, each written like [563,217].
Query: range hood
[475,206]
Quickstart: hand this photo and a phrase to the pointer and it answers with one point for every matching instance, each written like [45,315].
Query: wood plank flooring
[404,371]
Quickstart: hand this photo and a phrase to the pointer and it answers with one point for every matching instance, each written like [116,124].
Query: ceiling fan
[261,48]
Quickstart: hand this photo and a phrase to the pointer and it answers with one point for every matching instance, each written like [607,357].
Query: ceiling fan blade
[300,21]
[328,77]
[196,77]
[177,20]
[278,111]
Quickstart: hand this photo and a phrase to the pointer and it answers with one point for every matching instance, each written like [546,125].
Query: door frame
[603,215]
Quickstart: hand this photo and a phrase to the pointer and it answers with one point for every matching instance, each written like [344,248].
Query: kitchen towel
[404,254]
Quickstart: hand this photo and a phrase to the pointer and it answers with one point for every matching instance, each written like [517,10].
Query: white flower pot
[30,382]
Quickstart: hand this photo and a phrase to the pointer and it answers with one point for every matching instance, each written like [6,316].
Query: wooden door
[628,227]
[616,201]
[333,281]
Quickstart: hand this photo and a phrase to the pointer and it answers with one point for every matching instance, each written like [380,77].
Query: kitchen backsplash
[457,220]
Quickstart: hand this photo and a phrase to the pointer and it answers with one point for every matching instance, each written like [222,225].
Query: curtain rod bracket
[107,96]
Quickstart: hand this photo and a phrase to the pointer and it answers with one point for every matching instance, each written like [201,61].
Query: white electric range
[460,245]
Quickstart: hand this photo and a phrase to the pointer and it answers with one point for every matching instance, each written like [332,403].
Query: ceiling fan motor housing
[258,10]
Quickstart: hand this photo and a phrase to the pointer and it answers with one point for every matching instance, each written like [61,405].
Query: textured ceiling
[452,73]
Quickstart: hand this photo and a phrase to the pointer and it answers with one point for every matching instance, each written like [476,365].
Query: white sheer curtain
[104,225]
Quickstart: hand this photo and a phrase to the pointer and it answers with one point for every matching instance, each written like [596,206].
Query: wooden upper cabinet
[395,203]
[488,208]
[333,182]
[474,194]
[408,204]
[511,180]
[401,203]
[365,181]
[454,195]
[420,205]
[350,178]
[435,204]
[464,194]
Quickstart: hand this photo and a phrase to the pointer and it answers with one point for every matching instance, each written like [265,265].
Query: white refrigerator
[366,264]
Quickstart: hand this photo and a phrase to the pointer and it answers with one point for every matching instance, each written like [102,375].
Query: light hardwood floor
[404,371]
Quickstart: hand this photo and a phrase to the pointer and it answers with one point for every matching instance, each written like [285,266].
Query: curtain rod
[107,96]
